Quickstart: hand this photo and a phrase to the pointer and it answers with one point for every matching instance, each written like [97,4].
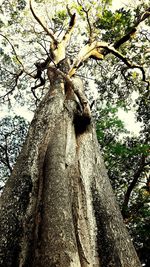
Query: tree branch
[42,25]
[12,49]
[16,82]
[127,36]
[40,66]
[88,20]
[23,69]
[136,176]
[69,11]
[68,33]
[90,50]
[127,62]
[57,49]
[97,51]
[58,53]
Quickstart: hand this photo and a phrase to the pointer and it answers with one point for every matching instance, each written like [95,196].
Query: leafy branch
[14,86]
[17,58]
[133,30]
[136,176]
[15,53]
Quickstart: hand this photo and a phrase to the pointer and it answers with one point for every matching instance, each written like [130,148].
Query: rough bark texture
[58,208]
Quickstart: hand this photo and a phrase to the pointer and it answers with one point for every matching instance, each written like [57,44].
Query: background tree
[60,166]
[127,161]
[12,134]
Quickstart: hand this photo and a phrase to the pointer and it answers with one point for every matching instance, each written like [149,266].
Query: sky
[118,3]
[130,121]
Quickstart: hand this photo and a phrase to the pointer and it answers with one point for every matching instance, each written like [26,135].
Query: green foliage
[109,126]
[114,24]
[1,23]
[139,222]
[13,9]
[59,18]
[21,4]
[124,159]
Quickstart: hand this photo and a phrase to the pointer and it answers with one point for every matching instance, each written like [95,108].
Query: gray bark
[58,208]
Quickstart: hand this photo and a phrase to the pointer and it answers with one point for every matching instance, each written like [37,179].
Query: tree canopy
[109,50]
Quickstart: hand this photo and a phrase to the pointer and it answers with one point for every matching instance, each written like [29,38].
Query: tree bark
[58,208]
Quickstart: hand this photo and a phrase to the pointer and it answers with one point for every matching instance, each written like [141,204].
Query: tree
[12,135]
[127,161]
[58,208]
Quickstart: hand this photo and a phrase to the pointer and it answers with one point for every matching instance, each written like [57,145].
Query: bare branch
[33,92]
[144,16]
[42,25]
[41,66]
[132,185]
[68,33]
[91,50]
[69,11]
[58,53]
[57,49]
[88,20]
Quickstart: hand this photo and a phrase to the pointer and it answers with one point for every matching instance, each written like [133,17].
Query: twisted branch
[98,50]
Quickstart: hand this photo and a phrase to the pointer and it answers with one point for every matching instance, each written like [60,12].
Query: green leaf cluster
[114,24]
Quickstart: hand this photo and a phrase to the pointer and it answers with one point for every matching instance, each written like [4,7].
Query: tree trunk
[58,208]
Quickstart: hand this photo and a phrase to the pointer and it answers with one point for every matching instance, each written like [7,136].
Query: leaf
[117,16]
[134,74]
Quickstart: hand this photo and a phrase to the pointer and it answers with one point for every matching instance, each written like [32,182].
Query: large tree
[58,208]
